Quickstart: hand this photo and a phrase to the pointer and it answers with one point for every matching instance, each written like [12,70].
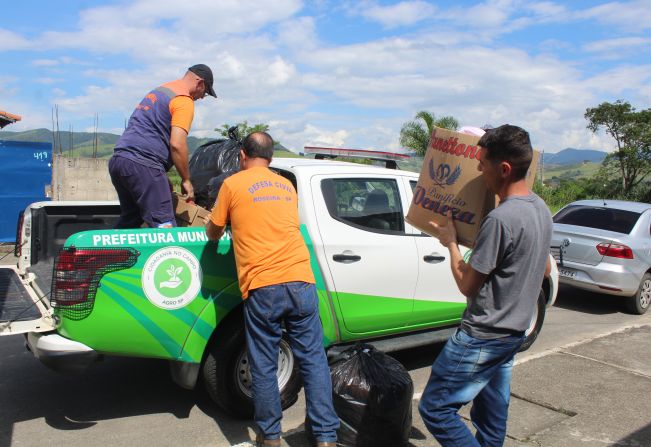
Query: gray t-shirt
[512,248]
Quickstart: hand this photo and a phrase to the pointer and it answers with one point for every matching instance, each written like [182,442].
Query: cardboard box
[450,180]
[188,214]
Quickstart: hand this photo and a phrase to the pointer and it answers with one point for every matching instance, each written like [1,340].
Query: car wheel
[639,303]
[227,376]
[536,321]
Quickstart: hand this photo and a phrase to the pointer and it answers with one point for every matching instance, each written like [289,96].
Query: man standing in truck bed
[154,140]
[277,285]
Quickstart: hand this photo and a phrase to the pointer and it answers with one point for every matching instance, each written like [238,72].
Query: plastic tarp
[25,171]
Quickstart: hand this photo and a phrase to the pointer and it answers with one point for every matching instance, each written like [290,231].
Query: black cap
[205,73]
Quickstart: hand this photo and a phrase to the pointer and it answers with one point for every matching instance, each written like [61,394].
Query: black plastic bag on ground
[372,395]
[210,160]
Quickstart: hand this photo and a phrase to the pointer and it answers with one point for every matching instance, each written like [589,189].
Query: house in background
[7,118]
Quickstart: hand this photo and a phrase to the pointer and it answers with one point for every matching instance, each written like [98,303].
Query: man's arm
[468,279]
[548,268]
[179,152]
[214,232]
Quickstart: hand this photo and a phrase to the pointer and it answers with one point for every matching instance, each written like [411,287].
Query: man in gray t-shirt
[512,250]
[501,283]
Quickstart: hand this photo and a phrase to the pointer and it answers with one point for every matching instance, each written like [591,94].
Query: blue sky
[325,73]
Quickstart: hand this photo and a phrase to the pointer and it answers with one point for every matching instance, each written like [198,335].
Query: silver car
[605,246]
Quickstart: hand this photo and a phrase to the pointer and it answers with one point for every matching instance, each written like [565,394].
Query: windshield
[619,221]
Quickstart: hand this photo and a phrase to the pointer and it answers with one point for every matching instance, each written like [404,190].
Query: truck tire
[639,303]
[227,376]
[536,322]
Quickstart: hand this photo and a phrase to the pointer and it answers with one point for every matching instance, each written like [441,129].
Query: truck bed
[53,222]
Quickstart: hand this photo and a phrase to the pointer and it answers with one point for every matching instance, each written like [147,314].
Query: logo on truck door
[171,278]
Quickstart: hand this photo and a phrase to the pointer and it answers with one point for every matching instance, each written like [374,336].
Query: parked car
[605,246]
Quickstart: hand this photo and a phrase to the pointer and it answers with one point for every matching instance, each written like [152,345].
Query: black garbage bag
[372,395]
[211,160]
[215,183]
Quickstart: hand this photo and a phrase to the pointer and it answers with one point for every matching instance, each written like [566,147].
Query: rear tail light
[77,273]
[18,248]
[615,250]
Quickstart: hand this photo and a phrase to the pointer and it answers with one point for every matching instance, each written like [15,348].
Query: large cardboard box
[450,181]
[188,214]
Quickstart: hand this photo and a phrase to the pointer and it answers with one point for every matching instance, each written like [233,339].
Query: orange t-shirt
[263,212]
[181,106]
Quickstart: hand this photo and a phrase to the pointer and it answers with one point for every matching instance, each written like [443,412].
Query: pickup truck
[81,290]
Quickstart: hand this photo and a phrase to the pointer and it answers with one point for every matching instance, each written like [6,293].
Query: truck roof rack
[389,158]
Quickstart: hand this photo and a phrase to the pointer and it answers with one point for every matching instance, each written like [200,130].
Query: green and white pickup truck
[81,290]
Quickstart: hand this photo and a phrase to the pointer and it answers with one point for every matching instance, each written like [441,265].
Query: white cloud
[400,14]
[274,64]
[12,41]
[632,16]
[45,62]
[620,47]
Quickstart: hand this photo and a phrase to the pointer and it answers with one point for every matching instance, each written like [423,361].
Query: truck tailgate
[20,308]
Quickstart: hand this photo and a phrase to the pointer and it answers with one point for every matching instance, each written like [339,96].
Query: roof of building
[7,118]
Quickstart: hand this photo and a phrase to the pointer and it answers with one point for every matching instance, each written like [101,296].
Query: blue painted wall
[25,170]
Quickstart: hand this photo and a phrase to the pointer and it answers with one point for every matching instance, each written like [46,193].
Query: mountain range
[82,144]
[572,156]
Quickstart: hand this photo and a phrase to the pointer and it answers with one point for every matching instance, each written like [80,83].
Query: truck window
[288,175]
[365,203]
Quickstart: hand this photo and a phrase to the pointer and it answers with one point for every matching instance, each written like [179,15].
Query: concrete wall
[81,179]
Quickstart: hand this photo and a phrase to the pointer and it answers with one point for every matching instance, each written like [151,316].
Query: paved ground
[589,394]
[586,382]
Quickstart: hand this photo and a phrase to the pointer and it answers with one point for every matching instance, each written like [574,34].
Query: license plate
[566,273]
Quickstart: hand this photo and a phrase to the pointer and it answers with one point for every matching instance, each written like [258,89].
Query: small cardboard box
[188,214]
[450,181]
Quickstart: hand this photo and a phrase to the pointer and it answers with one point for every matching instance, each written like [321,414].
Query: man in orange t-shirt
[154,141]
[277,285]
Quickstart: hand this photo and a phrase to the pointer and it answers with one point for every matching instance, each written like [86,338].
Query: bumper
[611,279]
[59,353]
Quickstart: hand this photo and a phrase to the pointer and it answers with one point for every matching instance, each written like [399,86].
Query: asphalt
[595,392]
[591,393]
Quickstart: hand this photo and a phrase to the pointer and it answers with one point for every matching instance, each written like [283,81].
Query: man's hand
[447,233]
[214,232]
[187,190]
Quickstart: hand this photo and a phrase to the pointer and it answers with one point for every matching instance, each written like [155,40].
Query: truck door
[437,298]
[21,310]
[372,261]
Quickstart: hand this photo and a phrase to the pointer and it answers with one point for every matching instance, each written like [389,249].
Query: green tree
[243,129]
[631,130]
[415,136]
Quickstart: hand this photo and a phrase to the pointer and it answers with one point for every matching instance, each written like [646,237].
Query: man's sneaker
[260,441]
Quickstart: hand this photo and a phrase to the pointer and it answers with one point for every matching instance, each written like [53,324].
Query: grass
[571,171]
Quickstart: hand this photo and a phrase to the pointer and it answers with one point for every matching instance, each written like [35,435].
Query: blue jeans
[295,304]
[470,369]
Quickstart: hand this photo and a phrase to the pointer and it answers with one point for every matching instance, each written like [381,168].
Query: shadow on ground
[589,302]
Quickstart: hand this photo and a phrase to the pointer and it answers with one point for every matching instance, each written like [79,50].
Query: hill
[82,142]
[572,156]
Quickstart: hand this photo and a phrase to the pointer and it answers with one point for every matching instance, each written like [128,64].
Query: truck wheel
[536,322]
[639,303]
[227,377]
